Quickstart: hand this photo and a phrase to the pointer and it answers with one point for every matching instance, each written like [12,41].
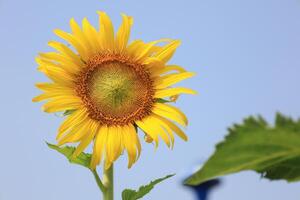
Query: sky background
[247,57]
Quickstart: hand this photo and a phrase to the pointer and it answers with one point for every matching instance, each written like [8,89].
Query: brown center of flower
[115,90]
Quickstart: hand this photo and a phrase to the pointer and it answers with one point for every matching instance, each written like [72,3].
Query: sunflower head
[113,88]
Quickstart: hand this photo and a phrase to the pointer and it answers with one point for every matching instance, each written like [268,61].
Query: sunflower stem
[98,181]
[108,182]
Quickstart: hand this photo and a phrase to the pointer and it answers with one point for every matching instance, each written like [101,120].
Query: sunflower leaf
[273,151]
[83,159]
[160,100]
[129,194]
[68,112]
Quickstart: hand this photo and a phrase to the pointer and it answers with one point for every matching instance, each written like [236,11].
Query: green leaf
[83,159]
[160,100]
[273,151]
[68,112]
[128,194]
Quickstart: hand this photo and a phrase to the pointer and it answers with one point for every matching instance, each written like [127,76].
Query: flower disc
[115,90]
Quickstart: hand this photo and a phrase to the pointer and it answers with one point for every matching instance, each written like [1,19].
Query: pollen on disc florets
[115,89]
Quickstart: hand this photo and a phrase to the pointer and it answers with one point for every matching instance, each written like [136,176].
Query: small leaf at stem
[129,194]
[82,159]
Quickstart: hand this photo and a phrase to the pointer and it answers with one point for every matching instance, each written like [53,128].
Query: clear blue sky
[246,54]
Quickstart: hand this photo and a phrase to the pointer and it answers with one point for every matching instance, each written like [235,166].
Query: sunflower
[110,89]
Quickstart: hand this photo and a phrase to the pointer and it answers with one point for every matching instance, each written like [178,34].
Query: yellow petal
[169,115]
[148,49]
[157,126]
[93,128]
[62,104]
[168,68]
[76,133]
[55,72]
[113,146]
[166,128]
[56,60]
[172,110]
[106,31]
[51,87]
[148,129]
[123,33]
[134,47]
[66,51]
[136,139]
[74,119]
[172,126]
[130,143]
[57,94]
[91,35]
[173,91]
[171,79]
[74,42]
[99,145]
[80,36]
[167,51]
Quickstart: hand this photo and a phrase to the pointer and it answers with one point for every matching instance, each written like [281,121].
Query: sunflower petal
[50,87]
[173,111]
[134,47]
[124,33]
[57,94]
[148,129]
[148,49]
[167,129]
[156,125]
[167,51]
[130,143]
[113,147]
[173,91]
[63,49]
[172,126]
[77,117]
[91,35]
[163,69]
[99,146]
[55,60]
[58,75]
[74,42]
[168,80]
[62,104]
[106,31]
[76,133]
[80,36]
[86,140]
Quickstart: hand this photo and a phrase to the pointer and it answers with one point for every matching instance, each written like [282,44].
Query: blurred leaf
[83,159]
[254,145]
[160,100]
[128,194]
[68,112]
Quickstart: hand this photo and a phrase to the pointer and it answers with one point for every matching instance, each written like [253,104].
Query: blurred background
[247,57]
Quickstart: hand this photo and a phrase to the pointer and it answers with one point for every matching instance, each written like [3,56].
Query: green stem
[98,181]
[108,182]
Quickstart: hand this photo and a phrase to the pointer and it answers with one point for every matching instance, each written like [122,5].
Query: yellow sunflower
[112,88]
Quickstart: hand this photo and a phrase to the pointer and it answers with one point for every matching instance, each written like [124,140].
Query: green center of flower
[115,90]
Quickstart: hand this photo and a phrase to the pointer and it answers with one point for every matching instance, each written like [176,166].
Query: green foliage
[160,100]
[273,151]
[83,159]
[68,112]
[128,194]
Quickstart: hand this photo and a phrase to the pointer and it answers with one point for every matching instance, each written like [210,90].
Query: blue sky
[247,57]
